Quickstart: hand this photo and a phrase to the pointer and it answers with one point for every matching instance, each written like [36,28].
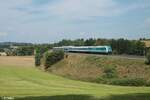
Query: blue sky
[44,21]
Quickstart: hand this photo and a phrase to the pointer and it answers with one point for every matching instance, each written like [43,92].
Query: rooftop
[147,43]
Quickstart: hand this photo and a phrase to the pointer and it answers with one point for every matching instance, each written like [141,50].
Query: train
[85,49]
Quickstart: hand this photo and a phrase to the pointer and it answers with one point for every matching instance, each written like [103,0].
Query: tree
[24,51]
[40,50]
[140,47]
[65,43]
[51,58]
[78,42]
[90,42]
[37,59]
[148,58]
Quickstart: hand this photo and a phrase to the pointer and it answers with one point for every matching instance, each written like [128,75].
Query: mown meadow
[21,80]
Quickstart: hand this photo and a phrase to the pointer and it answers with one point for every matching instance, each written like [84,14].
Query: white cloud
[8,14]
[67,9]
[3,33]
[83,9]
[21,17]
[147,22]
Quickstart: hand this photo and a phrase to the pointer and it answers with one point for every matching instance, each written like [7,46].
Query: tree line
[20,51]
[119,46]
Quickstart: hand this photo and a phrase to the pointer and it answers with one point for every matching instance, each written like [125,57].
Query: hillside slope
[97,68]
[20,79]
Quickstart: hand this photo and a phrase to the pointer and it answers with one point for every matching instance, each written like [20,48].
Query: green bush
[102,80]
[51,58]
[24,51]
[123,82]
[110,72]
[148,58]
[39,52]
[148,83]
[129,82]
[37,59]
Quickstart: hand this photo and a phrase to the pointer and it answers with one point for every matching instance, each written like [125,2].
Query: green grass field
[20,79]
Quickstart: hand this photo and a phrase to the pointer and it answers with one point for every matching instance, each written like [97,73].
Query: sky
[47,21]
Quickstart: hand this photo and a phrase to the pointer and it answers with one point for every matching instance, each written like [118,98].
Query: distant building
[3,54]
[147,44]
[13,47]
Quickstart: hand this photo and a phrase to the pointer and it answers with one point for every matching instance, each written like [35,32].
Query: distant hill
[15,43]
[4,45]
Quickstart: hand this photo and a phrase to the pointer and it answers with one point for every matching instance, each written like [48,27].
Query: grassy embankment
[20,79]
[104,69]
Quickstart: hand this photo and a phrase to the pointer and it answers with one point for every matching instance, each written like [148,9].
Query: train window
[91,48]
[100,48]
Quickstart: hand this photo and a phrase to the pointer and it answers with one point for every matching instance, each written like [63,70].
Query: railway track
[115,56]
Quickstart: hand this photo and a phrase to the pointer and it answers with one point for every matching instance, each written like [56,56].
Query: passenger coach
[85,49]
